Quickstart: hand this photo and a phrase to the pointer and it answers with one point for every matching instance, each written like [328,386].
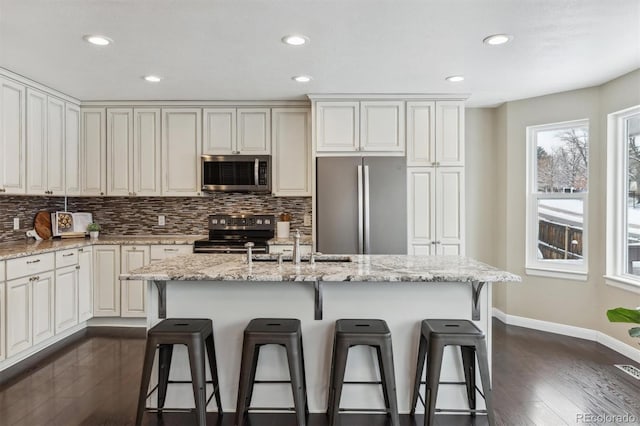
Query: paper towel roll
[282,229]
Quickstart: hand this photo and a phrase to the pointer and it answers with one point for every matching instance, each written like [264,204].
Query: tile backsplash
[139,215]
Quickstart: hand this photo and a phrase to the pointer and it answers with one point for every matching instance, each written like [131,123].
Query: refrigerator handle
[367,227]
[360,213]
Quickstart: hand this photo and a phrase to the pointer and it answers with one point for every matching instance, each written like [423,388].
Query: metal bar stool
[367,332]
[272,331]
[435,335]
[196,335]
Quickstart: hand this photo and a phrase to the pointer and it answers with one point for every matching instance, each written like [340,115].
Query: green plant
[92,227]
[626,315]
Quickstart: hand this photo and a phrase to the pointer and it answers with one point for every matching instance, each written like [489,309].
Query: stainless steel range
[229,233]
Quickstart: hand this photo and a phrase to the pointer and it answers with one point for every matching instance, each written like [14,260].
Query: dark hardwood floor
[539,379]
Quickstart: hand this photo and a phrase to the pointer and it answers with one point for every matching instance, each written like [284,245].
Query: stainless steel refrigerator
[361,205]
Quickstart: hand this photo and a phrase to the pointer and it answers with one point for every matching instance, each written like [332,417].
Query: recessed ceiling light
[455,78]
[152,78]
[295,39]
[98,40]
[302,78]
[497,39]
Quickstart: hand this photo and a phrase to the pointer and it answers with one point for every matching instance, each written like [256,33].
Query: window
[623,197]
[557,182]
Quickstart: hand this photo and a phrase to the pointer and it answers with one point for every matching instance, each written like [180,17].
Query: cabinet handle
[81,249]
[2,190]
[78,267]
[33,261]
[170,249]
[67,255]
[102,193]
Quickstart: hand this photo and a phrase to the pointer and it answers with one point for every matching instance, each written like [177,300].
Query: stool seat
[450,328]
[356,327]
[272,326]
[180,327]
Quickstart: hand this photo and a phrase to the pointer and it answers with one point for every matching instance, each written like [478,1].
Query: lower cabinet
[133,293]
[164,251]
[3,325]
[106,283]
[43,307]
[85,283]
[66,297]
[19,333]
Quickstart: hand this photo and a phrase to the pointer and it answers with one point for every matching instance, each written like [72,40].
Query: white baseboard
[116,322]
[569,330]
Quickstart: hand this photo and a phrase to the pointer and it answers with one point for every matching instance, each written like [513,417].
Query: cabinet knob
[2,190]
[102,193]
[78,267]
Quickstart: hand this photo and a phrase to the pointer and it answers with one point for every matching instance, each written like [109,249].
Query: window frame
[557,268]
[617,195]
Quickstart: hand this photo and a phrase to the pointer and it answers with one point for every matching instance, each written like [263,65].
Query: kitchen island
[403,290]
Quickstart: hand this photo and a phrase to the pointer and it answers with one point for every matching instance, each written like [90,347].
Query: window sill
[575,276]
[628,284]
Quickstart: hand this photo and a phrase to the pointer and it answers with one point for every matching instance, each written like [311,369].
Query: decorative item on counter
[94,230]
[282,226]
[70,225]
[42,224]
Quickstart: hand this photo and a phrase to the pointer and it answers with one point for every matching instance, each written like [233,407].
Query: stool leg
[304,378]
[481,350]
[337,379]
[245,383]
[422,352]
[198,379]
[165,354]
[213,366]
[296,373]
[149,354]
[469,367]
[434,365]
[385,361]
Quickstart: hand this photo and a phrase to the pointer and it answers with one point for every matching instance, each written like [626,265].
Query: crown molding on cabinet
[389,96]
[34,84]
[192,104]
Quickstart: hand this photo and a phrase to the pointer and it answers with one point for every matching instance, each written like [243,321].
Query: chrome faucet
[296,247]
[249,247]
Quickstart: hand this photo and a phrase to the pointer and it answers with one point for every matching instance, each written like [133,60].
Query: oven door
[238,173]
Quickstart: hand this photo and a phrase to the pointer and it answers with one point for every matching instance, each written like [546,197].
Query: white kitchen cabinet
[382,126]
[85,283]
[435,133]
[181,147]
[287,249]
[93,151]
[106,283]
[164,251]
[12,137]
[43,306]
[291,160]
[133,151]
[435,210]
[337,126]
[19,331]
[45,144]
[73,159]
[66,298]
[230,131]
[3,325]
[133,293]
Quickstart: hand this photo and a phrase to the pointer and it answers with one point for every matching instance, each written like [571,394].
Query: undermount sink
[303,259]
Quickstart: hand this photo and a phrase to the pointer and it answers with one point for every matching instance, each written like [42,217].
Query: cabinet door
[450,133]
[421,195]
[93,151]
[119,151]
[181,143]
[337,126]
[85,283]
[146,152]
[36,142]
[219,131]
[133,292]
[12,138]
[3,326]
[19,332]
[291,138]
[449,207]
[421,249]
[72,149]
[254,131]
[382,126]
[43,307]
[420,133]
[106,285]
[66,298]
[55,146]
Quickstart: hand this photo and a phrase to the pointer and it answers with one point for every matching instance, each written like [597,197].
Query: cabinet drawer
[66,258]
[160,252]
[29,265]
[288,249]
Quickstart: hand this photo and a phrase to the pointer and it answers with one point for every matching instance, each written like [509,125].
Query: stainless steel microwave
[236,173]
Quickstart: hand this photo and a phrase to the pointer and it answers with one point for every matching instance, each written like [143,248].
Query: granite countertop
[304,240]
[362,268]
[23,248]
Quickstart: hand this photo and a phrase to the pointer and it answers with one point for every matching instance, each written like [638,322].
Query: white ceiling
[231,49]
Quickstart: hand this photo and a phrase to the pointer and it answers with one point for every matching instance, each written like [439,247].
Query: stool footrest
[460,410]
[364,410]
[357,382]
[290,409]
[272,382]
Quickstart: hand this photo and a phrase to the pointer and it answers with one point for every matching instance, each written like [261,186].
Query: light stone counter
[304,240]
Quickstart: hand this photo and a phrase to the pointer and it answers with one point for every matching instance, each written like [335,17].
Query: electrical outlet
[161,221]
[307,219]
[16,223]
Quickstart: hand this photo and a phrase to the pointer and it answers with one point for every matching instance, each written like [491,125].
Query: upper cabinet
[73,160]
[369,126]
[93,151]
[133,151]
[435,133]
[291,137]
[230,131]
[181,148]
[12,137]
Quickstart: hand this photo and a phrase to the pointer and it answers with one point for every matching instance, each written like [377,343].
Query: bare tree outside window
[562,160]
